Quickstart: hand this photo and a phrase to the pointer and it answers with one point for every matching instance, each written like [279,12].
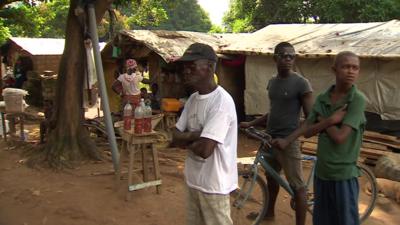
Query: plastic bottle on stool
[139,117]
[127,116]
[147,118]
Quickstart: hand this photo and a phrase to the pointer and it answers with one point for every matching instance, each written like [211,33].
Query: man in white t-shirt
[207,128]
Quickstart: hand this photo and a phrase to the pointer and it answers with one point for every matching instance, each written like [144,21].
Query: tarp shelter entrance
[377,44]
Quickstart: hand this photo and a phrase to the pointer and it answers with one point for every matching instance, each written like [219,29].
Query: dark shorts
[336,202]
[289,159]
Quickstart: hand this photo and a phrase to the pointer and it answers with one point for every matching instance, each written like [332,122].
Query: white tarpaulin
[378,44]
[379,81]
[316,40]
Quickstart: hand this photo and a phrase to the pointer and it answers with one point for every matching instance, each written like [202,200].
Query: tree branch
[101,8]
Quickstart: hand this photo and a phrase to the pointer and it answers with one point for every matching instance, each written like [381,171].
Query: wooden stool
[134,143]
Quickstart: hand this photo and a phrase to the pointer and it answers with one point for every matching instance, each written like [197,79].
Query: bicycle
[252,194]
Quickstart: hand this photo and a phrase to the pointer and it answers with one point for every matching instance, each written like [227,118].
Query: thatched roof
[170,45]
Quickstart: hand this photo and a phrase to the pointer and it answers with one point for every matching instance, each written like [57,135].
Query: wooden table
[21,117]
[140,143]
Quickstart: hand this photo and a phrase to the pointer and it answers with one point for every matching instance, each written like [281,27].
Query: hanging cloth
[90,88]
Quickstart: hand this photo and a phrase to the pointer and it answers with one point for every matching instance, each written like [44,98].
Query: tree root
[65,152]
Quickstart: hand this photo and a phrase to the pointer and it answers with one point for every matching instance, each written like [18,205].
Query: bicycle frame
[260,159]
[265,152]
[271,172]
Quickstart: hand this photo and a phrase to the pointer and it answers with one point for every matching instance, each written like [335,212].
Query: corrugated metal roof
[43,46]
[40,46]
[381,39]
[171,45]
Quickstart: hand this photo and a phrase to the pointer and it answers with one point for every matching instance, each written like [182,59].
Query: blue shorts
[336,202]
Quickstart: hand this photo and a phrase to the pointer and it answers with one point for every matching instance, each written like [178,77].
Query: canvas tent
[378,45]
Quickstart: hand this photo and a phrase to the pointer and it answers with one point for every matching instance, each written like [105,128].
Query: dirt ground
[87,195]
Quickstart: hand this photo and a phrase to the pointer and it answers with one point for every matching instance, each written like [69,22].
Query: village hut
[377,44]
[156,51]
[32,57]
[37,54]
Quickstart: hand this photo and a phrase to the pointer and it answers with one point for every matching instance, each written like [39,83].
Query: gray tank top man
[285,103]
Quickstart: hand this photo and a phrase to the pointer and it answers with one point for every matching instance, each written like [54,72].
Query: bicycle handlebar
[266,139]
[259,135]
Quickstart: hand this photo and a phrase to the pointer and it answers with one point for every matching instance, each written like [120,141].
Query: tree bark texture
[69,140]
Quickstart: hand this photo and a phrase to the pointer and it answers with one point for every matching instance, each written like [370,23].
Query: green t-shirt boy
[339,161]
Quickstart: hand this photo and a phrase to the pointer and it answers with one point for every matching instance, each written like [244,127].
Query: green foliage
[250,15]
[43,20]
[120,22]
[168,15]
[143,13]
[345,11]
[55,18]
[216,29]
[22,20]
[4,32]
[239,16]
[242,25]
[185,15]
[48,19]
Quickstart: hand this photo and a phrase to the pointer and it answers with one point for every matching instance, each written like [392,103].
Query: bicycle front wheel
[249,201]
[367,194]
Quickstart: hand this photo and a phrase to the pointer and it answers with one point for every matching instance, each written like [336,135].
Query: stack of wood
[374,146]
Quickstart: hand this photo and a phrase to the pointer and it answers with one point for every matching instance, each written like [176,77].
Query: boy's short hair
[143,89]
[341,55]
[282,45]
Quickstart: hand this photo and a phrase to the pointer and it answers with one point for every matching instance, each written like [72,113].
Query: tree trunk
[68,140]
